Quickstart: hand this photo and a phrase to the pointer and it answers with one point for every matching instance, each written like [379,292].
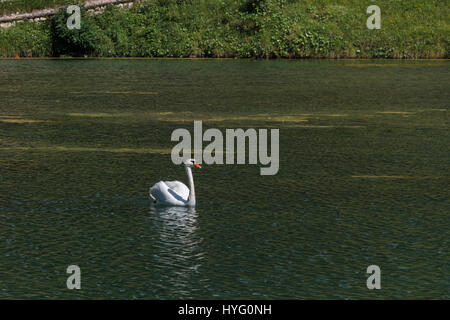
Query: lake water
[363,180]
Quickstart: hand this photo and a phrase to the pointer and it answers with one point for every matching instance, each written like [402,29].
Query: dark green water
[364,179]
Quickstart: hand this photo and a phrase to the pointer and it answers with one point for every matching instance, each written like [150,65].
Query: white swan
[175,193]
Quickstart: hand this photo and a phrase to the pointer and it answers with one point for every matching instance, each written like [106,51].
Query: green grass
[243,29]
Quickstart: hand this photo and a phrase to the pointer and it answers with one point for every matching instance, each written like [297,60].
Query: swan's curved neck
[191,198]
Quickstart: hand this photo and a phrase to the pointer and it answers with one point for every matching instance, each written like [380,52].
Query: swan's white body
[175,193]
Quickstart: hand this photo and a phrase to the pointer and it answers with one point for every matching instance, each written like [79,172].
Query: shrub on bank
[26,39]
[89,40]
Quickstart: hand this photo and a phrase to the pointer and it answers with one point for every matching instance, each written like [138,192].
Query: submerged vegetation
[241,28]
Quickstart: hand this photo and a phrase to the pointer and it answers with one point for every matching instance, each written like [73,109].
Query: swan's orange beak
[197,165]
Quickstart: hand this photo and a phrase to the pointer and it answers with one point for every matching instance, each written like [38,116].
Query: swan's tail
[151,196]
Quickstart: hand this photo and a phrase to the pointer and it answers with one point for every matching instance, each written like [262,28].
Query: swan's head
[191,163]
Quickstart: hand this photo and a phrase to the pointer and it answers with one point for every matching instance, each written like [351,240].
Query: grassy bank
[242,28]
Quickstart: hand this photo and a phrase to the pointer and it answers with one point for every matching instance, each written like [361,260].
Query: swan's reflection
[178,248]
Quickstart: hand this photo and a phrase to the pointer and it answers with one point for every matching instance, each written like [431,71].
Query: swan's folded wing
[179,187]
[162,194]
